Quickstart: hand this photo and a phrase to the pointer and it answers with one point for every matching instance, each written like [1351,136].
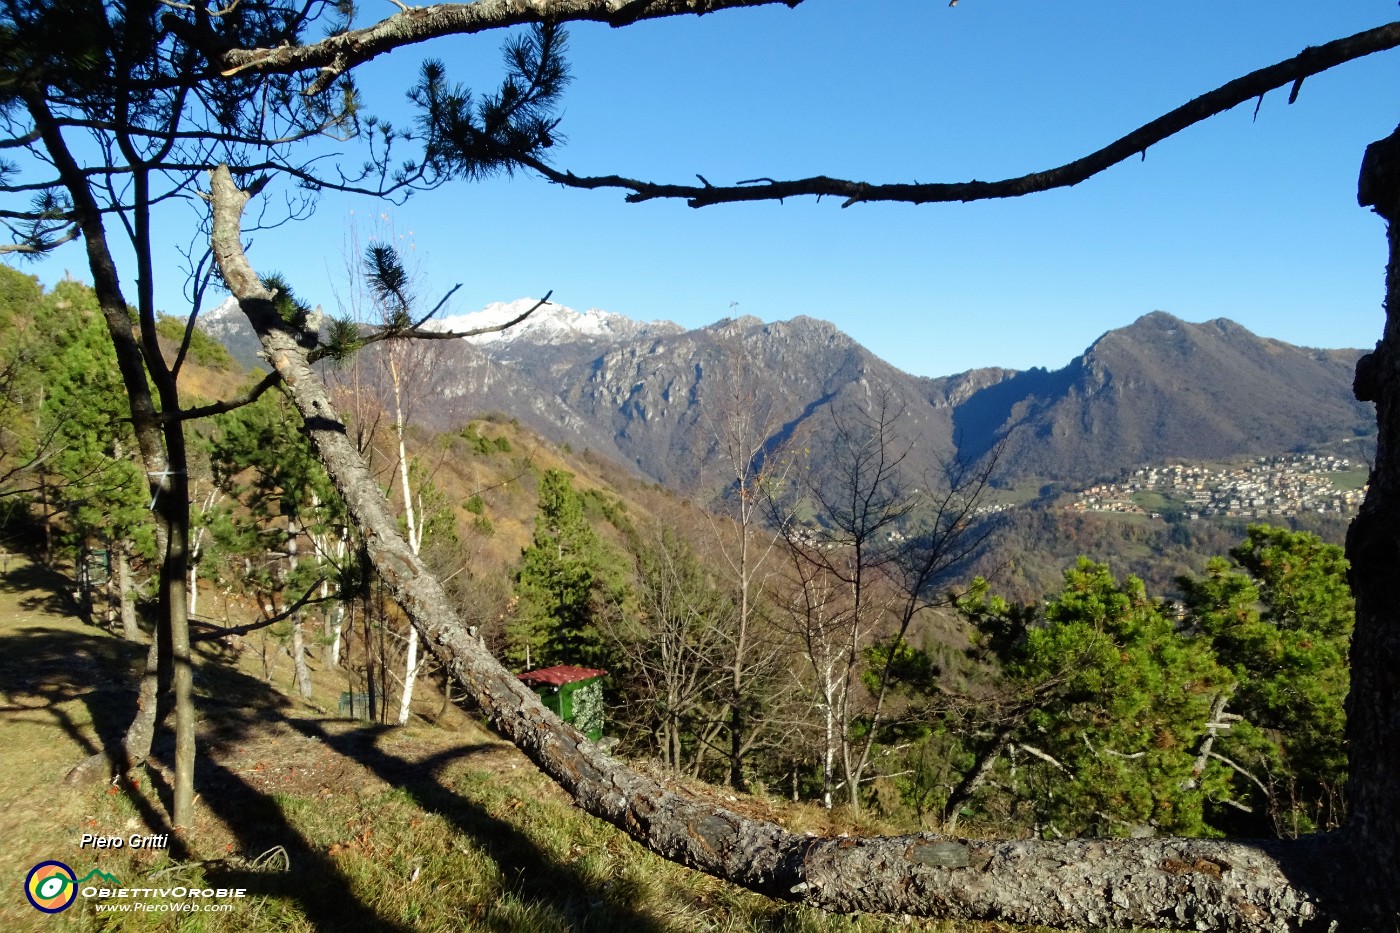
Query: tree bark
[343,51]
[415,522]
[1373,550]
[300,671]
[974,778]
[126,601]
[162,448]
[1205,884]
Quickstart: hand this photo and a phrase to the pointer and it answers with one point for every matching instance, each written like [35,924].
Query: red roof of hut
[558,676]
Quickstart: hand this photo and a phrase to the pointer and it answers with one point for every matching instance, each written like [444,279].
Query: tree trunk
[974,778]
[193,588]
[301,672]
[1205,884]
[410,678]
[136,743]
[414,521]
[334,647]
[736,742]
[162,447]
[828,751]
[1373,549]
[334,617]
[126,599]
[46,521]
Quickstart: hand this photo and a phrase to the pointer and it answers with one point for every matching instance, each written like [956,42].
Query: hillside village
[1284,485]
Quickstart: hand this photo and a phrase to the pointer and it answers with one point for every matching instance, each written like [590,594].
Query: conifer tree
[1280,616]
[567,578]
[1110,703]
[68,446]
[283,496]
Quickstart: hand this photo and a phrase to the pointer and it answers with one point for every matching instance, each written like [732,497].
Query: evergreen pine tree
[567,577]
[1283,626]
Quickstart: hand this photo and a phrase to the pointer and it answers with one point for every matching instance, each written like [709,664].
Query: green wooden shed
[574,694]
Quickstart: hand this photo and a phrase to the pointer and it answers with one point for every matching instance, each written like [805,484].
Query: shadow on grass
[312,880]
[535,876]
[42,670]
[49,590]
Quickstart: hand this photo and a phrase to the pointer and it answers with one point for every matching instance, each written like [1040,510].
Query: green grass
[329,825]
[1153,501]
[1349,479]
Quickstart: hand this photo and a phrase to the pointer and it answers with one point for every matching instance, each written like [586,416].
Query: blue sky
[1255,220]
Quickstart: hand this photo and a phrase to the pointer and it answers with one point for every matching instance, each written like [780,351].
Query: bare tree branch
[1310,61]
[415,332]
[1240,770]
[307,599]
[19,141]
[335,55]
[247,398]
[477,332]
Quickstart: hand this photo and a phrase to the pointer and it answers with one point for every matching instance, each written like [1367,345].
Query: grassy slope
[422,828]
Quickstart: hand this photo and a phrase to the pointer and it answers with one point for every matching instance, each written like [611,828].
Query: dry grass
[370,828]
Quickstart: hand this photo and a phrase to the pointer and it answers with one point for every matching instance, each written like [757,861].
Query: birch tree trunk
[302,672]
[415,534]
[337,619]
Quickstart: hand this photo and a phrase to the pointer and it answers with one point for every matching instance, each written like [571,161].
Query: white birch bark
[414,523]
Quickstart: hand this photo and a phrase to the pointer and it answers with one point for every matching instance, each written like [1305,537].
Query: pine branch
[1290,72]
[338,54]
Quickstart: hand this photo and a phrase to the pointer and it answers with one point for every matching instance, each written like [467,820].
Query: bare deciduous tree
[745,429]
[866,567]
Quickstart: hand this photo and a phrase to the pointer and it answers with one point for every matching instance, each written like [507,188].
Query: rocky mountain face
[1163,389]
[660,398]
[226,324]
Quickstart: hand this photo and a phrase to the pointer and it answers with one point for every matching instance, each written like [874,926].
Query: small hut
[574,694]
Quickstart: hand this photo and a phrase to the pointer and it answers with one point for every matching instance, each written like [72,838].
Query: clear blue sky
[1252,220]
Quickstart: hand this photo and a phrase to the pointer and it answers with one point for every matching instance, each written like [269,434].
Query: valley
[799,586]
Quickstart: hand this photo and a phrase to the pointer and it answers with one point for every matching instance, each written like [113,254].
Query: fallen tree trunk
[1190,883]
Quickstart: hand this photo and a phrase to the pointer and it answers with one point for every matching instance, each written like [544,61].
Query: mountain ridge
[648,393]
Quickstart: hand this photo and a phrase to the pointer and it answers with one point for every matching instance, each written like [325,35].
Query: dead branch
[1310,61]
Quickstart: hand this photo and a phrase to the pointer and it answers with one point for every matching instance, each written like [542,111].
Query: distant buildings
[1268,487]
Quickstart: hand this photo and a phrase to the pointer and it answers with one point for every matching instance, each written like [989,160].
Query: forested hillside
[649,395]
[819,636]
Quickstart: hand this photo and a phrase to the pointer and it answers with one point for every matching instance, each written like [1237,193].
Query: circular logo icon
[51,887]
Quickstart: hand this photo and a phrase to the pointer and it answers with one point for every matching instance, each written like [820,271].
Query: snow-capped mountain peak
[551,324]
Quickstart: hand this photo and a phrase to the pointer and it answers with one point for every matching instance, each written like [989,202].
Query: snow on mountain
[552,324]
[222,318]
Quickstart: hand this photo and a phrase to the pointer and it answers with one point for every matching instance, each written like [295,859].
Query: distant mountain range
[654,395]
